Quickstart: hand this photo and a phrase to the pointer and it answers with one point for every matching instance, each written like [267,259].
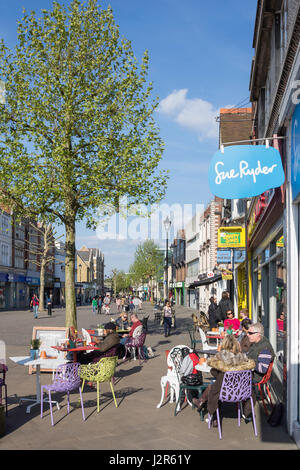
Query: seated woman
[103,348]
[122,321]
[228,359]
[231,323]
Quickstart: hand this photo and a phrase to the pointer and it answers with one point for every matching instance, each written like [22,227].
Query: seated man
[135,323]
[231,322]
[103,348]
[122,321]
[261,351]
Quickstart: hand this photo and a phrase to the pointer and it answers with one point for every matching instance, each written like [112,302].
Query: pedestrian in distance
[136,303]
[118,303]
[94,305]
[35,305]
[49,305]
[99,304]
[167,318]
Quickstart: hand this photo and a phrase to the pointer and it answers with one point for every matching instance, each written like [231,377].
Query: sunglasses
[252,332]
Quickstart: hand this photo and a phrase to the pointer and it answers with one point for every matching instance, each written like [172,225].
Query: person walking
[212,313]
[35,305]
[99,304]
[94,304]
[167,318]
[106,302]
[136,303]
[49,305]
[118,303]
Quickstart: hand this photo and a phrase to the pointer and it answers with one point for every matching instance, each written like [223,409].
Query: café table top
[207,351]
[47,362]
[203,367]
[215,334]
[78,348]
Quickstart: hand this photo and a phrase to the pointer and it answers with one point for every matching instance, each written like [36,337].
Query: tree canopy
[148,262]
[77,129]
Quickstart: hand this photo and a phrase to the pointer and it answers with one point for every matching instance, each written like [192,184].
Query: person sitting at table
[243,337]
[231,323]
[103,347]
[229,358]
[122,321]
[135,323]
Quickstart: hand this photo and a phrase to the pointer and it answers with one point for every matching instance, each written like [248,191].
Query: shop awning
[205,281]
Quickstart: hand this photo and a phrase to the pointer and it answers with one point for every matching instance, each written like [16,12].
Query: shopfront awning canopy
[205,281]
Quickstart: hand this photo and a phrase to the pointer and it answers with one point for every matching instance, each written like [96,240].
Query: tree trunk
[70,297]
[42,286]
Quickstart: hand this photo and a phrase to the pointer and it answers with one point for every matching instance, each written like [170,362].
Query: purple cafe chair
[236,387]
[136,343]
[66,379]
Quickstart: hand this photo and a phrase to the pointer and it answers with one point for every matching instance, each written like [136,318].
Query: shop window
[281,311]
[259,297]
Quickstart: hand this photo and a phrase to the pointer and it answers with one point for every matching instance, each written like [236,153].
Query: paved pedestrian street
[136,424]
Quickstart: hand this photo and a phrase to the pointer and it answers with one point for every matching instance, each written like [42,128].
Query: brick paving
[136,424]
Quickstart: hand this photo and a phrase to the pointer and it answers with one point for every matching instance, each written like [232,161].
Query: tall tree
[77,129]
[148,263]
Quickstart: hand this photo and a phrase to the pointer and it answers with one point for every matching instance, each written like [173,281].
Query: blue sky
[200,58]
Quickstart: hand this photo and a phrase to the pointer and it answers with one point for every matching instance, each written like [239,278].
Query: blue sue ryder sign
[245,171]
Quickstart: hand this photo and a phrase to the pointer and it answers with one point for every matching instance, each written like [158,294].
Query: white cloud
[195,114]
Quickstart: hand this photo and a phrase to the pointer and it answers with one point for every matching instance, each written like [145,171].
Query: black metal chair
[176,357]
[145,323]
[193,340]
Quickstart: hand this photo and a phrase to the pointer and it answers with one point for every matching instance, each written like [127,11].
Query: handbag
[276,415]
[193,380]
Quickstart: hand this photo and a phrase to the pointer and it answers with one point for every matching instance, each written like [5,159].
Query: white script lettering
[244,171]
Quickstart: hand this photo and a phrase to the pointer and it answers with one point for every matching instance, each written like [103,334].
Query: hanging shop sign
[226,275]
[280,242]
[224,256]
[295,153]
[231,237]
[243,171]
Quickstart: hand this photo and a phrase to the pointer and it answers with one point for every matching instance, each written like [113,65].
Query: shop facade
[293,277]
[268,280]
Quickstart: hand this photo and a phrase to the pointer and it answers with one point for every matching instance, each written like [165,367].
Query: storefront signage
[245,171]
[280,242]
[224,256]
[231,237]
[33,281]
[295,153]
[226,275]
[179,284]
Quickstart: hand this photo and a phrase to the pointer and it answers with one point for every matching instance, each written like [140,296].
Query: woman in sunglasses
[228,359]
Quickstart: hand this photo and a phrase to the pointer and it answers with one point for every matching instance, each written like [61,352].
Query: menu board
[49,336]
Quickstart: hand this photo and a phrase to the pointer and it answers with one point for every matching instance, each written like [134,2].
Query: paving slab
[137,424]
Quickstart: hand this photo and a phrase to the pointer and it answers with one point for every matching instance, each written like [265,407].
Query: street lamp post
[167,224]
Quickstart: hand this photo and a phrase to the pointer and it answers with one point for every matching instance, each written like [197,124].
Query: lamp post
[167,224]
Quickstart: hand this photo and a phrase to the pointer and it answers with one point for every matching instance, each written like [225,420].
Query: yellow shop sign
[231,237]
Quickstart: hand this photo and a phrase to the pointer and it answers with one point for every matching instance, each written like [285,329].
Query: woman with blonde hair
[229,358]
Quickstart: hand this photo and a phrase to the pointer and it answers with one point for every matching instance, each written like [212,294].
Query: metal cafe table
[49,363]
